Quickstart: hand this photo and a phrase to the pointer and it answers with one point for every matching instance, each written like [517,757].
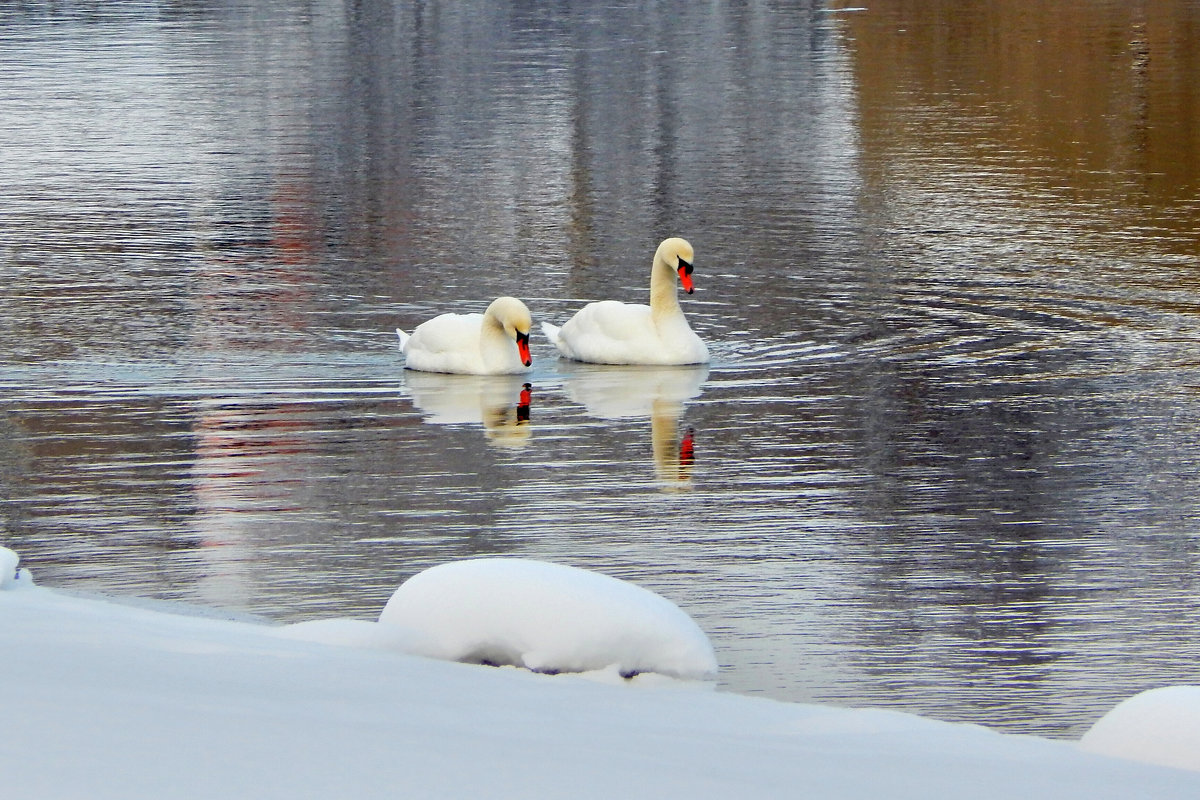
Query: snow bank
[1159,726]
[11,576]
[8,567]
[343,632]
[547,618]
[112,702]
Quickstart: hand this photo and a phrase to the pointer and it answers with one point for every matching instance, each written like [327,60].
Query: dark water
[948,256]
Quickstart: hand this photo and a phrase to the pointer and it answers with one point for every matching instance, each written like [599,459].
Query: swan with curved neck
[611,332]
[495,342]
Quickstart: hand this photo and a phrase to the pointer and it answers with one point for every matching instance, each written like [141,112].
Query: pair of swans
[496,342]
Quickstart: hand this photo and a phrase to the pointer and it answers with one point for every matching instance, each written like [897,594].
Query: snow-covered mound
[111,701]
[11,577]
[548,618]
[1159,726]
[8,567]
[108,701]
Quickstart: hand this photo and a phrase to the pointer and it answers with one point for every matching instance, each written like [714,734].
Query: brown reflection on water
[1087,108]
[1030,193]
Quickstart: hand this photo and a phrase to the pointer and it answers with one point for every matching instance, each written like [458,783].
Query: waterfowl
[612,332]
[495,342]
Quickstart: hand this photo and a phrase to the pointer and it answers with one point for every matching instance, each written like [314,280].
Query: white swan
[611,332]
[495,342]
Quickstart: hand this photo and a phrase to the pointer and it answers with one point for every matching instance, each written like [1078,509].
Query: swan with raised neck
[611,332]
[495,342]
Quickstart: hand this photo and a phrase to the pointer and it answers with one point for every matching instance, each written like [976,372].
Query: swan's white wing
[447,343]
[610,332]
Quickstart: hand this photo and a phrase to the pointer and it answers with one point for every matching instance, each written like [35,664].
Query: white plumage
[611,332]
[495,342]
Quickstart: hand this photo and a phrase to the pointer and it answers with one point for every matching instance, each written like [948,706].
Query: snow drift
[1159,726]
[11,575]
[112,701]
[547,618]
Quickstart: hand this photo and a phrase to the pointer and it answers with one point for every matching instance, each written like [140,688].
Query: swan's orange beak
[685,276]
[523,348]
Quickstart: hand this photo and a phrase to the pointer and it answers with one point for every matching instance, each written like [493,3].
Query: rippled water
[945,458]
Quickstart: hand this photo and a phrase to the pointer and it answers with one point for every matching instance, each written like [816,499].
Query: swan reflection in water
[500,403]
[638,392]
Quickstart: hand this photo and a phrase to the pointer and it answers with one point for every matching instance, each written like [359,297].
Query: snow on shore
[111,700]
[1159,726]
[547,617]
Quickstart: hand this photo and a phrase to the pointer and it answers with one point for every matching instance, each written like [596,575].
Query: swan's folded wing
[610,332]
[447,343]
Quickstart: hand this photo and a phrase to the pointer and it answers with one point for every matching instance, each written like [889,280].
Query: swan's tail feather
[551,332]
[403,337]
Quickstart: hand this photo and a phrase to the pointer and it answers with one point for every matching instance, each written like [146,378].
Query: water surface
[944,459]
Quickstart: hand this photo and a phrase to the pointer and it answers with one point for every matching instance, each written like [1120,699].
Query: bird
[612,332]
[495,342]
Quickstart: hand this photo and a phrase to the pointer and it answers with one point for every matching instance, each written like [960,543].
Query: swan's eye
[686,266]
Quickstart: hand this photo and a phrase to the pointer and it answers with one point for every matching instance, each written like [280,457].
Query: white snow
[353,633]
[11,576]
[8,567]
[548,618]
[110,700]
[1159,726]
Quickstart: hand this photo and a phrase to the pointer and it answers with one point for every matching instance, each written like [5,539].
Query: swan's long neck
[664,294]
[492,337]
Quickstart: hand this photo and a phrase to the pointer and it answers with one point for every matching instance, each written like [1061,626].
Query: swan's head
[677,255]
[514,317]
